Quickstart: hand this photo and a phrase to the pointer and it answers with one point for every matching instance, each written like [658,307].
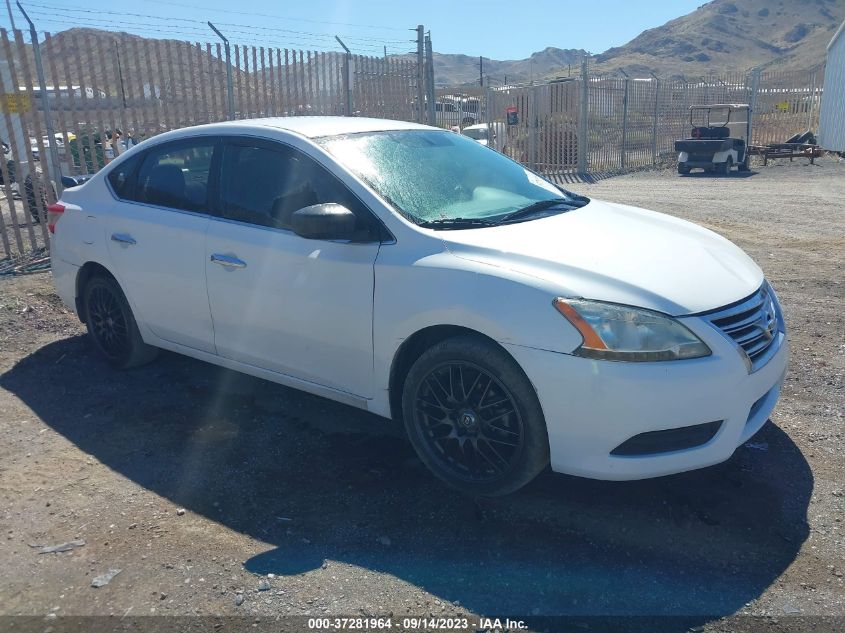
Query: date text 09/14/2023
[410,623]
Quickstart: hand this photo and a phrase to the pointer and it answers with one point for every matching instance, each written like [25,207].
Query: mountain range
[452,70]
[719,36]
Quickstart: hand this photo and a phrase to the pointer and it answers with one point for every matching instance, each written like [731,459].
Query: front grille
[751,323]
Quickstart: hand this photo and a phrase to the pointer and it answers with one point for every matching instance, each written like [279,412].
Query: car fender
[440,289]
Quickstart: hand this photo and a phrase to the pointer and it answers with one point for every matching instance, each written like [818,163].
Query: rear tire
[112,327]
[723,169]
[474,418]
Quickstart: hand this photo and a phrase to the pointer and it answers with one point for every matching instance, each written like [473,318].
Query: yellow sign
[15,103]
[783,106]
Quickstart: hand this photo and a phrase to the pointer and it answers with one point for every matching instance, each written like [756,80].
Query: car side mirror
[327,221]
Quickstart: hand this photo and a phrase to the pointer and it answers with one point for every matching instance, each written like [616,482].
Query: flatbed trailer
[786,150]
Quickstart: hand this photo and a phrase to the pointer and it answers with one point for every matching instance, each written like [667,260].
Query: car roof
[317,126]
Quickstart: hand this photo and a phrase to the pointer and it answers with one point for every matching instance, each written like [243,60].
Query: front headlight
[618,332]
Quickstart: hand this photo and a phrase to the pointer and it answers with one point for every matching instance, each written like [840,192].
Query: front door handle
[228,261]
[123,238]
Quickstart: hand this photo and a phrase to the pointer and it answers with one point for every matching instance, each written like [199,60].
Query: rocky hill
[732,35]
[450,70]
[94,57]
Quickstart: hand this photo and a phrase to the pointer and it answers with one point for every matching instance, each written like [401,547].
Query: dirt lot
[199,484]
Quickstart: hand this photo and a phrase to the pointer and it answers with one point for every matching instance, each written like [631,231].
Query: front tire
[683,169]
[473,417]
[112,327]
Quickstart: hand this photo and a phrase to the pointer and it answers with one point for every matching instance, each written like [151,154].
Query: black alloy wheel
[108,322]
[474,418]
[469,422]
[112,326]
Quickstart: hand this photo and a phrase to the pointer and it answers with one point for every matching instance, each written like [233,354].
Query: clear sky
[497,29]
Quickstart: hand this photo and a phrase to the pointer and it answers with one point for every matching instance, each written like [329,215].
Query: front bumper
[591,406]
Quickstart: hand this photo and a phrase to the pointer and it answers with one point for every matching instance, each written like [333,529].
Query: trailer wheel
[683,169]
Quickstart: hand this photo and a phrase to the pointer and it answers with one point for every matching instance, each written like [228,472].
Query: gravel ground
[222,495]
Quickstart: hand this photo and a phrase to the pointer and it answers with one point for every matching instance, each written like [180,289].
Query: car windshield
[477,133]
[440,176]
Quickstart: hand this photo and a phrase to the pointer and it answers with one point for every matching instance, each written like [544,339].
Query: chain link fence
[624,123]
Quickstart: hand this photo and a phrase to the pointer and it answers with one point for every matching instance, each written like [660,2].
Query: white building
[64,92]
[832,119]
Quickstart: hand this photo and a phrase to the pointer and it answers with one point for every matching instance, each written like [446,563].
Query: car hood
[618,253]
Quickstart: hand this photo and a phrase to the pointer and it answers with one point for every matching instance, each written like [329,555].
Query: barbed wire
[73,11]
[269,15]
[191,32]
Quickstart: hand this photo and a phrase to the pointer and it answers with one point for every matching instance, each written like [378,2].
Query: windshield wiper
[455,223]
[540,205]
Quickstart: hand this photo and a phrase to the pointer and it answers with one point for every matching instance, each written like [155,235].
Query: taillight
[54,212]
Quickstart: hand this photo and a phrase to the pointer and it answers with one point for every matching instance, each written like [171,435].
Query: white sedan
[481,134]
[412,272]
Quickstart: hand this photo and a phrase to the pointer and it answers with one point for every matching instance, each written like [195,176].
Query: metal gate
[542,129]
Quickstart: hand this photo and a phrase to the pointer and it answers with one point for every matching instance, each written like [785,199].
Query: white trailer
[832,118]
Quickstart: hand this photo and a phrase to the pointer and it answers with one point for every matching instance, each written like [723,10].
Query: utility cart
[718,139]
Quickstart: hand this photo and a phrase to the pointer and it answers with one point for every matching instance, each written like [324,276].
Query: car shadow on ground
[325,482]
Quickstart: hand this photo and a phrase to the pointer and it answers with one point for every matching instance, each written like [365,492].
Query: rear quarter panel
[79,236]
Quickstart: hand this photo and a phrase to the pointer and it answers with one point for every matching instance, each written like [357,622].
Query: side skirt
[272,376]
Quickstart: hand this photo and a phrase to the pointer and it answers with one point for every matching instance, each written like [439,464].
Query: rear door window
[122,177]
[177,175]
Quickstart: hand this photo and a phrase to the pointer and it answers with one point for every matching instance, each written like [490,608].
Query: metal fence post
[752,102]
[811,102]
[229,88]
[534,130]
[654,121]
[420,73]
[347,81]
[583,123]
[429,83]
[485,116]
[347,76]
[624,124]
[55,165]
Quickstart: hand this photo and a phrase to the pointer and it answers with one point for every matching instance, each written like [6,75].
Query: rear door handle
[123,238]
[228,261]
